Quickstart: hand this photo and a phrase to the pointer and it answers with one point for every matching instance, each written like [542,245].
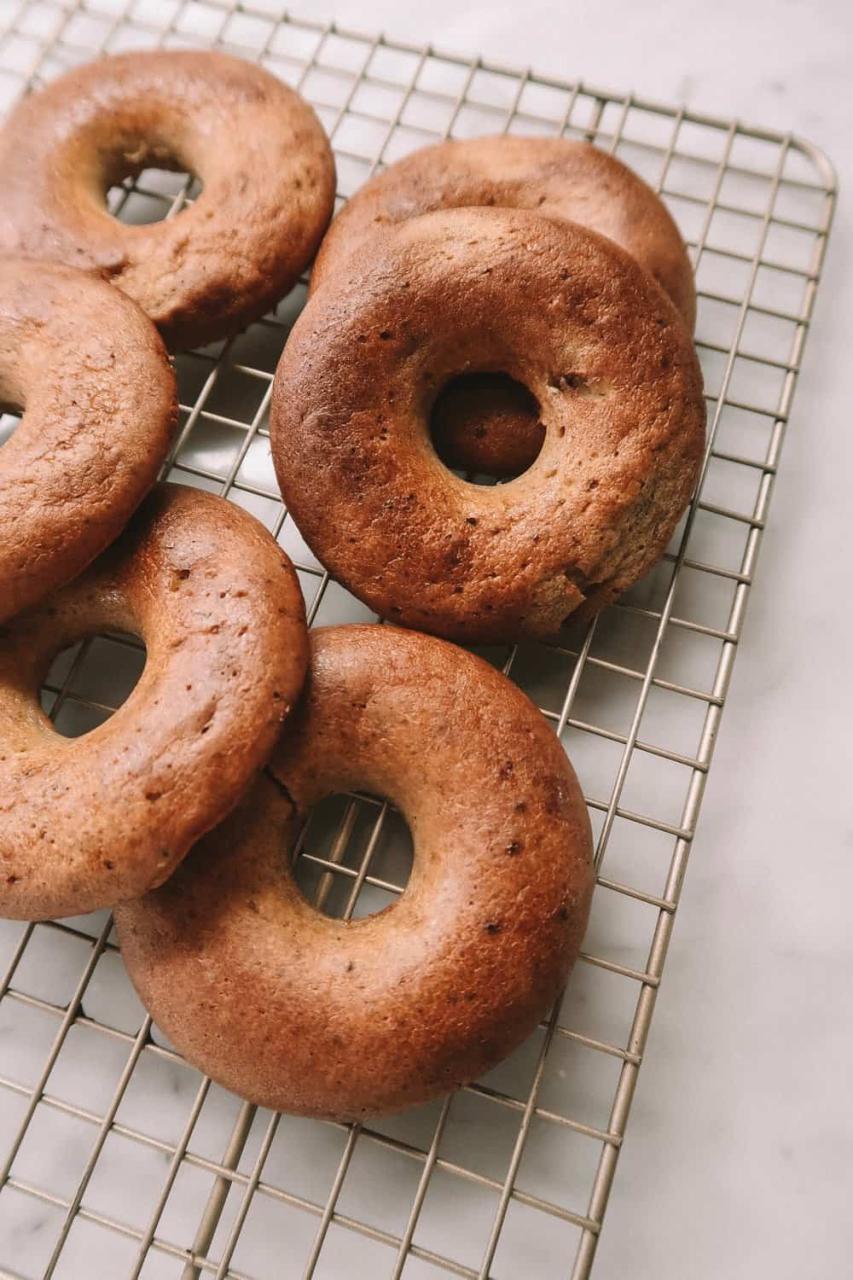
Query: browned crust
[100,410]
[86,823]
[557,177]
[258,148]
[569,315]
[304,1013]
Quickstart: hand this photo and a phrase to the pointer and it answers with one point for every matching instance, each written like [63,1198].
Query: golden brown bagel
[100,409]
[557,177]
[257,147]
[569,315]
[84,823]
[304,1013]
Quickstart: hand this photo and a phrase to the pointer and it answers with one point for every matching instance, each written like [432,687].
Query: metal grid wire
[118,1159]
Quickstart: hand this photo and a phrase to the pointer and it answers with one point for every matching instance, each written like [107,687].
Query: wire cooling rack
[118,1160]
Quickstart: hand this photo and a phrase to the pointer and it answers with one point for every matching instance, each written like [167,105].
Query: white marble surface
[737,1160]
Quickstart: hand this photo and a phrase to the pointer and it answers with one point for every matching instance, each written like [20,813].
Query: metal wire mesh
[117,1158]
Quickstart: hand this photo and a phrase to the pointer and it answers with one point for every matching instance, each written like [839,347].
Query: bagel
[86,823]
[258,149]
[303,1013]
[479,426]
[565,312]
[100,411]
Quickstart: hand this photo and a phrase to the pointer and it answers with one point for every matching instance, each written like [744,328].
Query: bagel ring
[303,1013]
[257,147]
[100,411]
[569,315]
[479,425]
[86,823]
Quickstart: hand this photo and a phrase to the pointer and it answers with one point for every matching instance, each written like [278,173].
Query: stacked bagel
[521,307]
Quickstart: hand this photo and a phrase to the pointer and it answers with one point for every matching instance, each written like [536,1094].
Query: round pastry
[303,1013]
[490,431]
[255,145]
[86,823]
[566,313]
[100,410]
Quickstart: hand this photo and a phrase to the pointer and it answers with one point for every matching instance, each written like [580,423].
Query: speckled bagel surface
[258,149]
[99,413]
[305,1013]
[559,177]
[87,822]
[569,315]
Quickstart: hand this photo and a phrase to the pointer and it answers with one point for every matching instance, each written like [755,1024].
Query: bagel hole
[487,426]
[10,418]
[353,856]
[89,680]
[152,195]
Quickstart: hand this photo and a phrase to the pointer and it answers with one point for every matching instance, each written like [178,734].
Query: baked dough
[481,428]
[100,411]
[257,147]
[87,822]
[300,1012]
[569,315]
